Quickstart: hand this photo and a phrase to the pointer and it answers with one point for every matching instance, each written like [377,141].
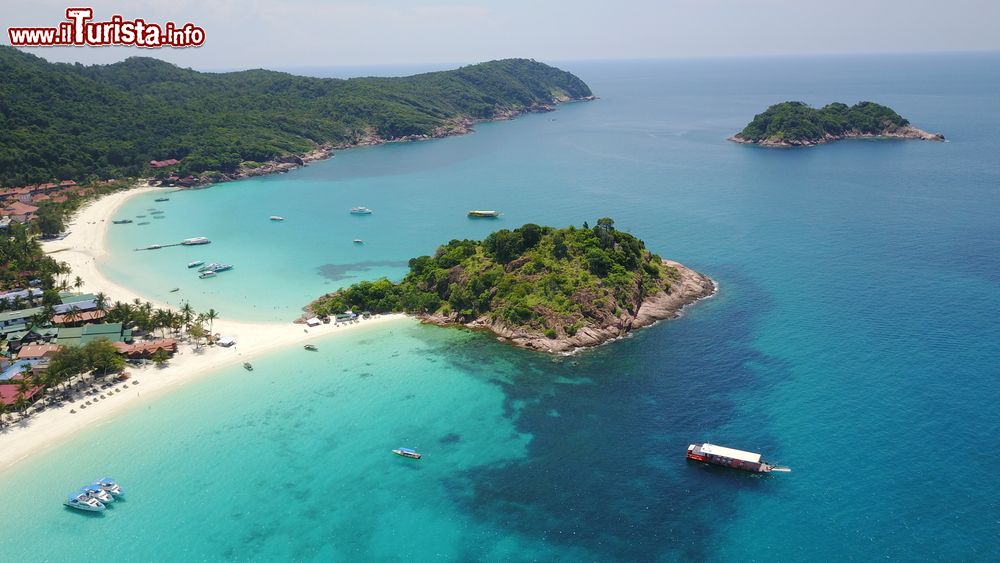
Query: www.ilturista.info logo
[78,30]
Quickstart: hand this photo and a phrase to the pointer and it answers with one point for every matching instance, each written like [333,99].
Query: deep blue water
[855,338]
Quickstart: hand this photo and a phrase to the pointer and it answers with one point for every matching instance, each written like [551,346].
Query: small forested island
[146,117]
[791,124]
[547,289]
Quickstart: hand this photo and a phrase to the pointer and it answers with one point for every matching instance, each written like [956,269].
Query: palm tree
[101,302]
[78,282]
[210,316]
[187,313]
[72,314]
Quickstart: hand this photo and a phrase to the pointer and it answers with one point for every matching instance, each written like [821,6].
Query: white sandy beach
[81,249]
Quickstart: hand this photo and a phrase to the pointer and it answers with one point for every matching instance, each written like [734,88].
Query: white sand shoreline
[81,249]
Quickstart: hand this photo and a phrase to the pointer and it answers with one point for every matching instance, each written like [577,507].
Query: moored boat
[81,501]
[207,274]
[121,221]
[222,267]
[195,240]
[358,241]
[310,347]
[162,199]
[730,457]
[109,485]
[208,267]
[277,218]
[360,211]
[97,493]
[195,264]
[407,452]
[248,366]
[484,213]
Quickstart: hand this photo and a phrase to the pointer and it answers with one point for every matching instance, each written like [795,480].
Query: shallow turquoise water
[855,339]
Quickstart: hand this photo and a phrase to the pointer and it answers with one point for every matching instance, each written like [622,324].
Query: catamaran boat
[108,484]
[484,213]
[406,452]
[277,218]
[360,211]
[97,493]
[195,264]
[81,501]
[207,274]
[195,240]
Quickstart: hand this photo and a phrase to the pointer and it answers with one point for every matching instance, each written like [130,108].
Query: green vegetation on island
[795,123]
[541,287]
[63,121]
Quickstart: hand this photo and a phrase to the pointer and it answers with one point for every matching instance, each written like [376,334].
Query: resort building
[39,352]
[78,336]
[146,349]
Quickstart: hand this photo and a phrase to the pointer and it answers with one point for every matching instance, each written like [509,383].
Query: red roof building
[8,394]
[37,351]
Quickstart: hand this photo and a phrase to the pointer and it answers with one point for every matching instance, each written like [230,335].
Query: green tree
[102,356]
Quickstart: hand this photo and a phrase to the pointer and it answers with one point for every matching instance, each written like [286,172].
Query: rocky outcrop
[893,131]
[687,287]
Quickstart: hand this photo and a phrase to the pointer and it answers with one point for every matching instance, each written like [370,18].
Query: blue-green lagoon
[855,338]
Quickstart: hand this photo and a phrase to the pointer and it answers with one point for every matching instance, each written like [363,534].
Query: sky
[287,34]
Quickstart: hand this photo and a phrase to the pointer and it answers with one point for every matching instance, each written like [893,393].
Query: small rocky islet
[795,124]
[542,288]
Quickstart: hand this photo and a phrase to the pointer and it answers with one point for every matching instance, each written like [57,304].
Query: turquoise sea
[856,338]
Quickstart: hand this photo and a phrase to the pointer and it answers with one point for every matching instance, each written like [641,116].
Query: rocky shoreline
[893,132]
[460,125]
[688,288]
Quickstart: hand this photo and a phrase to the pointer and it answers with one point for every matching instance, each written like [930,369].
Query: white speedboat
[277,218]
[81,501]
[222,267]
[208,267]
[484,213]
[358,241]
[97,493]
[109,485]
[195,241]
[207,274]
[361,211]
[195,264]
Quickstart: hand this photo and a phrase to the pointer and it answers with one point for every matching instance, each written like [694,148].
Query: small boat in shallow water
[108,484]
[162,199]
[81,501]
[277,218]
[310,347]
[407,452]
[207,274]
[195,264]
[97,493]
[121,221]
[248,366]
[361,211]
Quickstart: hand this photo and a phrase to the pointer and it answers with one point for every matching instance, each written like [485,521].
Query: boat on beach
[360,211]
[195,264]
[729,457]
[81,501]
[407,452]
[483,213]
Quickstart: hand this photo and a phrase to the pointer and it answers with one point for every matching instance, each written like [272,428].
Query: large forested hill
[62,121]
